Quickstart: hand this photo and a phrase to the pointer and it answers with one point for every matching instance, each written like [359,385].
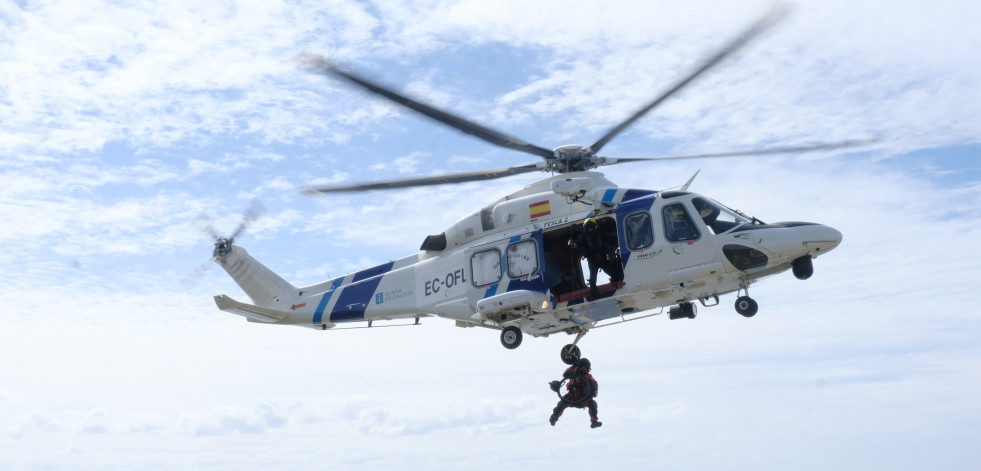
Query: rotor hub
[572,158]
[222,247]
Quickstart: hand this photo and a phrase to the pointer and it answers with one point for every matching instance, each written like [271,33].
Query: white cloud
[403,165]
[264,415]
[42,180]
[151,74]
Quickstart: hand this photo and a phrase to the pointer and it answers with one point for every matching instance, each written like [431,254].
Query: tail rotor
[223,245]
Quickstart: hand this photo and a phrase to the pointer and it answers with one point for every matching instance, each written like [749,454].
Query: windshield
[717,217]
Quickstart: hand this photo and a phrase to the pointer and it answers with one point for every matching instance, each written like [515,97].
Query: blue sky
[121,123]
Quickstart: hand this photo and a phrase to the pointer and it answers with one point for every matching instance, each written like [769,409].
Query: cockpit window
[678,226]
[718,218]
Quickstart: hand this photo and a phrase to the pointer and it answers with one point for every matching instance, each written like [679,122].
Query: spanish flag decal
[539,209]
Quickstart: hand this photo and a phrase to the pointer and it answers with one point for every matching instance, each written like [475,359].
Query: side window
[522,258]
[678,226]
[486,267]
[638,230]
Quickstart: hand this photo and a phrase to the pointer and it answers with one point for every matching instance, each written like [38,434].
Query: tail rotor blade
[255,210]
[204,224]
[191,279]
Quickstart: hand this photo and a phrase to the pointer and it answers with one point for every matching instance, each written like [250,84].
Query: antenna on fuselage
[688,183]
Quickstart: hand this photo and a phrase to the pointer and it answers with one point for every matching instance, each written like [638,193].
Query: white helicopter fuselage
[510,266]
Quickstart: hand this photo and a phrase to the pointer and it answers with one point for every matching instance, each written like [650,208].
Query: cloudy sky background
[122,123]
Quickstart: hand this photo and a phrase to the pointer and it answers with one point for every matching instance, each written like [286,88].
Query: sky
[121,123]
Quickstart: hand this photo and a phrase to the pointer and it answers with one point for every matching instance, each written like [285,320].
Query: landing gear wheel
[570,354]
[511,337]
[746,306]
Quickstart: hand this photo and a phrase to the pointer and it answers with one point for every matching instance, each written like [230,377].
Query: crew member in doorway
[582,389]
[559,279]
[593,246]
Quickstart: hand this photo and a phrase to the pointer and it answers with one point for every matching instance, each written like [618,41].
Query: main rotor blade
[322,66]
[755,30]
[427,181]
[746,153]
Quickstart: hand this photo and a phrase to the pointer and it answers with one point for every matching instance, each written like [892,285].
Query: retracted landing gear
[682,310]
[803,267]
[511,337]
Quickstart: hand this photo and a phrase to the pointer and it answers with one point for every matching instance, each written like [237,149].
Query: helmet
[589,223]
[585,364]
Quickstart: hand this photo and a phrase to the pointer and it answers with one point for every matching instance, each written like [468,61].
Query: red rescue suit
[582,388]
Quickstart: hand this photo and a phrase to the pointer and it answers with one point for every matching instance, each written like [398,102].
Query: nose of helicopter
[790,240]
[820,239]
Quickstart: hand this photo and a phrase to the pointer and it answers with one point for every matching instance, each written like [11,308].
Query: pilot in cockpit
[708,213]
[678,225]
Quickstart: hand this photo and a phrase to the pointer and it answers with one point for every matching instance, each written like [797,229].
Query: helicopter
[512,266]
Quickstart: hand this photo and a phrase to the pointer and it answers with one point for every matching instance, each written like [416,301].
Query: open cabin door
[567,268]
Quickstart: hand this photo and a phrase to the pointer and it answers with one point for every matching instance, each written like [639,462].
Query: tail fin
[263,286]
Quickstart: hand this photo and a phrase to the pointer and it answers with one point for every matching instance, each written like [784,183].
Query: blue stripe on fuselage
[373,271]
[492,289]
[634,194]
[608,195]
[354,297]
[318,315]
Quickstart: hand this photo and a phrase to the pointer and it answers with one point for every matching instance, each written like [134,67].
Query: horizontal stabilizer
[253,313]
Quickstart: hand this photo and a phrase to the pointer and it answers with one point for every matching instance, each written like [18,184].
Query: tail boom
[263,286]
